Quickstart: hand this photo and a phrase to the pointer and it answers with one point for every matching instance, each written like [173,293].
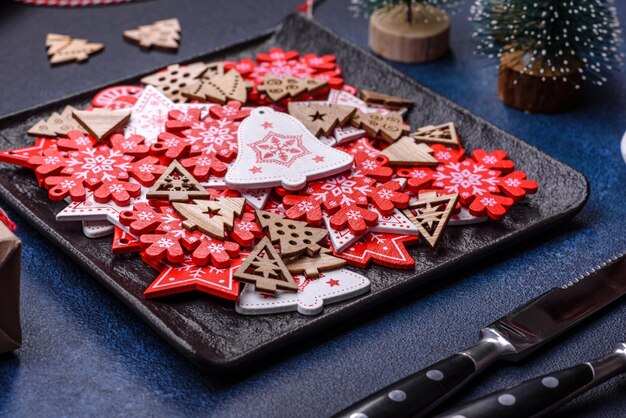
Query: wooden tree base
[425,38]
[531,93]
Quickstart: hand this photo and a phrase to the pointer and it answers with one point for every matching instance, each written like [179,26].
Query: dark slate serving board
[208,331]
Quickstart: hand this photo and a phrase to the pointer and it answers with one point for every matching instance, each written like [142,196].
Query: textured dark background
[85,354]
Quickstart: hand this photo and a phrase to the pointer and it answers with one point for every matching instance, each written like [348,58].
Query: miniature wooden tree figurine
[279,88]
[312,266]
[265,269]
[441,134]
[220,88]
[389,127]
[177,185]
[63,48]
[295,237]
[407,30]
[548,49]
[210,216]
[163,34]
[321,118]
[431,214]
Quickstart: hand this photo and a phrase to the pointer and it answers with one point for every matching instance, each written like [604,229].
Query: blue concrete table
[85,354]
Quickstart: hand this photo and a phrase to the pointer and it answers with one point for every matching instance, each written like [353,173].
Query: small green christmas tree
[571,40]
[414,8]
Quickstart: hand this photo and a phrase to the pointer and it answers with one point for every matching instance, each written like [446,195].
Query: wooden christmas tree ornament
[407,153]
[175,79]
[163,34]
[321,119]
[279,88]
[538,88]
[265,269]
[295,237]
[177,185]
[431,213]
[389,127]
[101,123]
[220,88]
[63,48]
[441,134]
[210,216]
[380,99]
[57,124]
[411,32]
[312,266]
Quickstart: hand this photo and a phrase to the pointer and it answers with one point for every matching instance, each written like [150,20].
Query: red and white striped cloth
[71,3]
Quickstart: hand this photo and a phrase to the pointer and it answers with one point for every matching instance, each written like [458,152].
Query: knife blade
[539,396]
[512,337]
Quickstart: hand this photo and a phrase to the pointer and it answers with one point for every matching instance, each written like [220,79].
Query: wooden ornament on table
[321,119]
[162,34]
[101,123]
[176,184]
[441,134]
[266,270]
[385,100]
[173,80]
[64,48]
[535,89]
[389,127]
[279,88]
[294,237]
[57,124]
[407,153]
[431,213]
[220,88]
[312,266]
[409,33]
[210,216]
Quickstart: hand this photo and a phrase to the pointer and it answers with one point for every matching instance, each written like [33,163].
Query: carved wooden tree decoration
[265,269]
[431,214]
[63,48]
[389,127]
[312,266]
[163,34]
[57,124]
[406,153]
[322,118]
[440,134]
[385,100]
[101,123]
[173,80]
[210,216]
[295,237]
[220,88]
[278,88]
[177,185]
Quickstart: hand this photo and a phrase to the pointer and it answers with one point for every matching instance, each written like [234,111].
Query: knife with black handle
[537,397]
[511,337]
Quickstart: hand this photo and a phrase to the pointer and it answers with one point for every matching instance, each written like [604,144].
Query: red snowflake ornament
[387,197]
[482,184]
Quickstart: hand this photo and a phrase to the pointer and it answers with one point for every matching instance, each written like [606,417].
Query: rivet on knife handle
[537,397]
[418,393]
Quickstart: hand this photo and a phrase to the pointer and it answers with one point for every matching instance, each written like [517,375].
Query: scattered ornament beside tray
[269,172]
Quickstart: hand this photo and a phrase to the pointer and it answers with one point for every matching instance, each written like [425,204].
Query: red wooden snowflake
[163,237]
[79,163]
[482,183]
[343,196]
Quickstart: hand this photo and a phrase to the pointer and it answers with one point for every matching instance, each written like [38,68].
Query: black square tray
[209,331]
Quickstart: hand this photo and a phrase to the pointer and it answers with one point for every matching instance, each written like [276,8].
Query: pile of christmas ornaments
[258,181]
